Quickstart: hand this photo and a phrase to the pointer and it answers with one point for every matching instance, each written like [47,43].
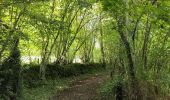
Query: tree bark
[101,43]
[133,80]
[12,73]
[145,44]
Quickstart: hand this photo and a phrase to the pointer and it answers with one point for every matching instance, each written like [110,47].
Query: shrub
[114,88]
[31,75]
[54,71]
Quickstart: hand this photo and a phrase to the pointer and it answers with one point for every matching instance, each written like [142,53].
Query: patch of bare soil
[82,89]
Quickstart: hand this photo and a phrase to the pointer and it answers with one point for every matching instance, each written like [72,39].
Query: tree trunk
[133,80]
[12,73]
[15,55]
[102,44]
[145,44]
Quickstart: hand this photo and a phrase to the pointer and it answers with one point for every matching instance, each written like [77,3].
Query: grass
[46,91]
[52,86]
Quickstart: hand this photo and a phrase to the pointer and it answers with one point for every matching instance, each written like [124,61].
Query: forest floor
[86,89]
[61,87]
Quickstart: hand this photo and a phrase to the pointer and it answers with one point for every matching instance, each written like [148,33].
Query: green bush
[31,75]
[53,71]
[113,87]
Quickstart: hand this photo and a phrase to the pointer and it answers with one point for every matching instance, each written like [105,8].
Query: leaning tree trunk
[133,79]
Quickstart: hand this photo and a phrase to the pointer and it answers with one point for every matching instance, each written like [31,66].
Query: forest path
[82,89]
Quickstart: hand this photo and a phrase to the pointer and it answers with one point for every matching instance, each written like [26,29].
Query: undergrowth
[44,92]
[150,87]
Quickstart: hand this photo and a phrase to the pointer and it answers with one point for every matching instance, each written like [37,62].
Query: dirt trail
[82,89]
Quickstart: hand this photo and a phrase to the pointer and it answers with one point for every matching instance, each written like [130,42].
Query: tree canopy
[132,37]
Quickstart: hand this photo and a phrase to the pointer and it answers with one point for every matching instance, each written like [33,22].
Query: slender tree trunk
[44,62]
[18,70]
[102,52]
[145,44]
[133,79]
[102,44]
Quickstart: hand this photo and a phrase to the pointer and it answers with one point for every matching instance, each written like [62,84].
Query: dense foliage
[45,39]
[32,78]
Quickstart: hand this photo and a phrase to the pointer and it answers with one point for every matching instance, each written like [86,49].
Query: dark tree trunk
[12,83]
[134,84]
[119,91]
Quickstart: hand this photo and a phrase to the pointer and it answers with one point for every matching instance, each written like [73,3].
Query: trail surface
[82,89]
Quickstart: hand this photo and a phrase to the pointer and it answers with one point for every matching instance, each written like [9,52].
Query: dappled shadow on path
[82,89]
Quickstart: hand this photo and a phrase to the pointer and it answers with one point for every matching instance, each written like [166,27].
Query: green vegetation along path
[82,89]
